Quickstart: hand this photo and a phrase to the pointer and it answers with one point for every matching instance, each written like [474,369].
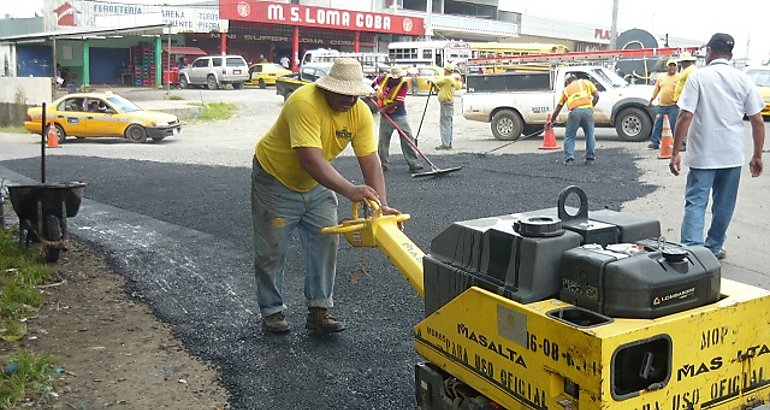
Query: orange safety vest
[578,95]
[386,98]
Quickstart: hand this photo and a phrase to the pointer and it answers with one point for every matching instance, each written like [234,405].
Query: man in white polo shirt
[713,103]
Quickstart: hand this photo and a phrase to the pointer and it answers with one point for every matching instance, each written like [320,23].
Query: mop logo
[65,15]
[243,9]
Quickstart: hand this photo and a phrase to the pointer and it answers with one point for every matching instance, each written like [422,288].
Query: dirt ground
[113,351]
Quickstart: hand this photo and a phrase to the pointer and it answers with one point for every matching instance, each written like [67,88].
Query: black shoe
[569,162]
[653,146]
[415,168]
[721,254]
[590,161]
[442,147]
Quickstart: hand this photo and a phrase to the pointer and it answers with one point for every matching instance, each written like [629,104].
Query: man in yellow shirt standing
[446,97]
[581,97]
[293,185]
[665,86]
[687,61]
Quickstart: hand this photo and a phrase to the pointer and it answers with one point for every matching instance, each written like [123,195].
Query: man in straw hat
[712,106]
[391,95]
[293,185]
[664,87]
[445,85]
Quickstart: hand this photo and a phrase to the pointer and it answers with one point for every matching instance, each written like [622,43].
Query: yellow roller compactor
[569,309]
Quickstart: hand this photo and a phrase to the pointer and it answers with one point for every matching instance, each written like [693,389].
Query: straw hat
[449,67]
[346,77]
[671,61]
[396,72]
[686,56]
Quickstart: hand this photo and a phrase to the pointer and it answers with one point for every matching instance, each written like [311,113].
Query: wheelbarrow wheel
[52,233]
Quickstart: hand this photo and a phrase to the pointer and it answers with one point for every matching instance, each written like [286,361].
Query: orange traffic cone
[549,136]
[666,140]
[52,137]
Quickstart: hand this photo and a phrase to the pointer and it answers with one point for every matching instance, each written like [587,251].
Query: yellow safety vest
[578,95]
[384,100]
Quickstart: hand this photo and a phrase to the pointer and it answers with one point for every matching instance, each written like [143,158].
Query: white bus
[372,63]
[438,53]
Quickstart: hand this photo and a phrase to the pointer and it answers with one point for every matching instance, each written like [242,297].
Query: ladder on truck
[533,62]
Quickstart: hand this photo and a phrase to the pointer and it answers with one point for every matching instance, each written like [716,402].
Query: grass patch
[14,129]
[175,97]
[27,377]
[24,376]
[216,111]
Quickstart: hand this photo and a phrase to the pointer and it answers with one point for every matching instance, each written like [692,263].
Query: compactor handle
[358,223]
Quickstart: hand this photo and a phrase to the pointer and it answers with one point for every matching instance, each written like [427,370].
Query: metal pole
[42,145]
[55,71]
[168,64]
[428,24]
[614,26]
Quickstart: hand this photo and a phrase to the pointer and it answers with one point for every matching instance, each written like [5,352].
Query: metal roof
[84,33]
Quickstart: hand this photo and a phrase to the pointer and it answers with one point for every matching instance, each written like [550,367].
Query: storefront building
[274,30]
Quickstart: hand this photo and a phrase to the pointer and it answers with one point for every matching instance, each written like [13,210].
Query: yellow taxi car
[264,74]
[428,73]
[101,115]
[761,77]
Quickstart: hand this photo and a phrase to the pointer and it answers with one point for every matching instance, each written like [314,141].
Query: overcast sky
[746,20]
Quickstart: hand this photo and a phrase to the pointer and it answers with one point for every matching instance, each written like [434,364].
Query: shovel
[434,170]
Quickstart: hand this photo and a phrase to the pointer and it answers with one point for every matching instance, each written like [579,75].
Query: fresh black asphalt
[181,235]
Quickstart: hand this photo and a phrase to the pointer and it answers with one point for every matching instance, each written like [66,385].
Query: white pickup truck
[518,103]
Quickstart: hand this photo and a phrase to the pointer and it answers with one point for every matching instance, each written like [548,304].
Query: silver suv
[215,71]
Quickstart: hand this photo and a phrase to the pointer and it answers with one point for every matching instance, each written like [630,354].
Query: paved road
[174,219]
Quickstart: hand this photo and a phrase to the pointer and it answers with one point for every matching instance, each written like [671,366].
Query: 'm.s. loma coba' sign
[297,15]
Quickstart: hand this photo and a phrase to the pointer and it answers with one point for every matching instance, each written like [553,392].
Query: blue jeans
[580,118]
[445,122]
[386,131]
[723,186]
[657,128]
[276,213]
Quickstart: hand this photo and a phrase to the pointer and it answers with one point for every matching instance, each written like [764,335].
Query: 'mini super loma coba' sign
[320,17]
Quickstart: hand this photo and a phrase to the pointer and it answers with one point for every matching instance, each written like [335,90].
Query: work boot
[321,320]
[416,167]
[275,323]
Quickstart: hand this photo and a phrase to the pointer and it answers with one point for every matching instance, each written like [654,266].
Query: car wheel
[183,83]
[211,83]
[262,83]
[136,133]
[633,125]
[237,86]
[507,125]
[61,136]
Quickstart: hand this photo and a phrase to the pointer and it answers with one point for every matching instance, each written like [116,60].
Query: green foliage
[216,111]
[25,376]
[14,130]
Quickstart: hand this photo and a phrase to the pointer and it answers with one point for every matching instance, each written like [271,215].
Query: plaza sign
[320,17]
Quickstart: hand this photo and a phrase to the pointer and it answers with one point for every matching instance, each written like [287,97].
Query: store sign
[601,34]
[319,17]
[306,40]
[98,14]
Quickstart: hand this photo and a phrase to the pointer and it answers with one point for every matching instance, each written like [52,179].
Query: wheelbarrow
[43,210]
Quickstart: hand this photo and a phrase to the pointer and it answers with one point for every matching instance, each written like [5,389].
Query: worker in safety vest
[580,96]
[391,90]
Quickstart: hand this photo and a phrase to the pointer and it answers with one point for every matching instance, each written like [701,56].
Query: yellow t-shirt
[446,88]
[306,120]
[666,85]
[682,81]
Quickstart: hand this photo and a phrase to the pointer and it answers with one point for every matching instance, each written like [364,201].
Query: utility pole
[614,26]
